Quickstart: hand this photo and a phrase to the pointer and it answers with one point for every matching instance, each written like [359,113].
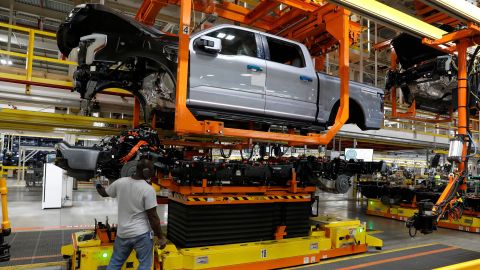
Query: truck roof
[246,29]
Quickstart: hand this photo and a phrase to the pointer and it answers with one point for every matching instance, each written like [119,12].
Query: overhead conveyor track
[462,10]
[392,17]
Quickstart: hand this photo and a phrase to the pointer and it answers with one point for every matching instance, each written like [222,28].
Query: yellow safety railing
[61,123]
[445,130]
[28,78]
[3,193]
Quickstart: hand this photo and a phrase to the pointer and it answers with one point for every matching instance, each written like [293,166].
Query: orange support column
[462,47]
[393,91]
[339,27]
[136,113]
[183,58]
[184,120]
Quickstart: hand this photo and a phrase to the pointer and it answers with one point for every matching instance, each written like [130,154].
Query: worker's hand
[161,242]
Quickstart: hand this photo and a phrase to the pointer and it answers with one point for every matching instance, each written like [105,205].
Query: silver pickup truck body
[249,76]
[259,86]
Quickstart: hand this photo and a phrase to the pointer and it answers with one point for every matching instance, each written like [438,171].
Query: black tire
[342,184]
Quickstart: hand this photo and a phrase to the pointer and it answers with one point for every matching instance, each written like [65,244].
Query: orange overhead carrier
[329,23]
[411,112]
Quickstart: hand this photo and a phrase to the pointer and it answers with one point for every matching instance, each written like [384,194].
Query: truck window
[285,53]
[236,42]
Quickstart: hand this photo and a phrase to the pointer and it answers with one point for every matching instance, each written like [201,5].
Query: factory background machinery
[236,198]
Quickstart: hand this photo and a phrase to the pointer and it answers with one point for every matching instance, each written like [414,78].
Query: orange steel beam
[462,95]
[422,11]
[265,15]
[148,11]
[393,91]
[432,15]
[204,145]
[286,18]
[382,45]
[260,10]
[303,5]
[227,10]
[136,113]
[173,186]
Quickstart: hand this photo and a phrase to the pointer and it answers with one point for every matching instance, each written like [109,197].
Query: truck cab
[234,70]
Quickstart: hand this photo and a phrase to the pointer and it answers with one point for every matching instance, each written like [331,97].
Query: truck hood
[86,19]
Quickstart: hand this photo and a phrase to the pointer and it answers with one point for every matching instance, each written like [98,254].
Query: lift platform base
[329,237]
[466,223]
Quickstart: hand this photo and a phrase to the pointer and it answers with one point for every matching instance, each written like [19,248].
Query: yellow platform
[465,223]
[329,237]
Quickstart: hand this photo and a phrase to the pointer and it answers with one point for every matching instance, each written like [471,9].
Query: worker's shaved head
[144,163]
[145,169]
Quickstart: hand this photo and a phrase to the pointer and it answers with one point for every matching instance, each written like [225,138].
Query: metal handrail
[29,56]
[29,78]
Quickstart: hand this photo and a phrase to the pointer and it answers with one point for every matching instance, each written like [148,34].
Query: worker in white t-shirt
[138,220]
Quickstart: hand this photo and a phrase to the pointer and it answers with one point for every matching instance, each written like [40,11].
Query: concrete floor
[25,209]
[26,214]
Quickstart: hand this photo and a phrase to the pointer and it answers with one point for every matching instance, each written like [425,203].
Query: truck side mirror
[209,44]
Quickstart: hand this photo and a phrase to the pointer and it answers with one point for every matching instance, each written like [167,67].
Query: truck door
[291,86]
[232,80]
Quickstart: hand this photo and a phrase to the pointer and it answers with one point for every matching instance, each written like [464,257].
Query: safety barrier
[30,77]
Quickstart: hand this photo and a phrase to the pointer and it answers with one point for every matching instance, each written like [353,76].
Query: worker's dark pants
[143,246]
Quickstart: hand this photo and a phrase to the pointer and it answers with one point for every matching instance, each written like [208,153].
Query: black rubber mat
[206,225]
[419,258]
[37,246]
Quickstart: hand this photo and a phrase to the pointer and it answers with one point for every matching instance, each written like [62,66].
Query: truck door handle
[254,68]
[305,78]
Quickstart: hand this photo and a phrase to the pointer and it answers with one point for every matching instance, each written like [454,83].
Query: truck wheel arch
[156,64]
[357,118]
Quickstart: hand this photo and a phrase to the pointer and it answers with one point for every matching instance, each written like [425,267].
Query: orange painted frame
[411,112]
[464,39]
[238,190]
[337,24]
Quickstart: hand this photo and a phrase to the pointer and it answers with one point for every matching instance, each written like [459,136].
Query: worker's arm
[154,221]
[101,190]
[150,204]
[110,191]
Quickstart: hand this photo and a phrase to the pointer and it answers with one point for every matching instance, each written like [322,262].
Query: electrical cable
[469,133]
[472,60]
[250,154]
[222,153]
